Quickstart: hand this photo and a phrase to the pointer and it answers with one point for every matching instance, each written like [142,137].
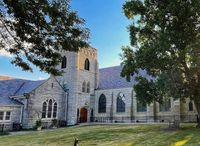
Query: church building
[84,93]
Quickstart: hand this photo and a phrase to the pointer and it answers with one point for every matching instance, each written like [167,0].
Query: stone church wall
[49,90]
[15,116]
[178,111]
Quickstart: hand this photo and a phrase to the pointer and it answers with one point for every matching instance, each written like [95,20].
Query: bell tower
[80,79]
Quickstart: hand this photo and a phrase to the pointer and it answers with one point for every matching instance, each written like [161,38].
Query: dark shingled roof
[109,78]
[16,87]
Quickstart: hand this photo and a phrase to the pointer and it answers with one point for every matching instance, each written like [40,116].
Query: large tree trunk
[197,105]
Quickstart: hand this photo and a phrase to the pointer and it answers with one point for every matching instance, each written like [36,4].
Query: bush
[38,123]
[62,123]
[54,122]
[17,126]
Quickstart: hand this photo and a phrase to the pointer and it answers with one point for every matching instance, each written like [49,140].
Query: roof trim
[32,89]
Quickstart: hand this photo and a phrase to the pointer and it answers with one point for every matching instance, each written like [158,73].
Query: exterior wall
[91,76]
[73,77]
[69,81]
[186,115]
[111,104]
[15,116]
[34,102]
[178,111]
[172,114]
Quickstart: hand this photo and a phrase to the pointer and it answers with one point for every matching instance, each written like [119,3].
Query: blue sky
[108,32]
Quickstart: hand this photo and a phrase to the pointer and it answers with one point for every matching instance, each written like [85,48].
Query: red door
[83,115]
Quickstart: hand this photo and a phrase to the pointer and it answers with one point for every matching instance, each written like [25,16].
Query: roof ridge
[19,88]
[110,67]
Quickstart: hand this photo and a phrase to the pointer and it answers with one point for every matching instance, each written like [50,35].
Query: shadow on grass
[4,133]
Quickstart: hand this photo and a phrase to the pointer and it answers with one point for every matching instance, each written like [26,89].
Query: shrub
[38,123]
[17,126]
[62,123]
[54,122]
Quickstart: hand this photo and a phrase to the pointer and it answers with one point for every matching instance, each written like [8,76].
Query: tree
[38,31]
[165,40]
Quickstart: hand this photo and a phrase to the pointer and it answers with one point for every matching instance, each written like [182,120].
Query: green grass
[107,135]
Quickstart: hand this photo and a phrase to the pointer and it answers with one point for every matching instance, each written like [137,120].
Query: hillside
[5,78]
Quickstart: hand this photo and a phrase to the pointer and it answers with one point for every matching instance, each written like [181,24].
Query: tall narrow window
[166,105]
[44,110]
[77,113]
[88,87]
[121,103]
[141,107]
[7,116]
[87,64]
[54,110]
[84,86]
[1,115]
[102,104]
[49,109]
[190,106]
[64,62]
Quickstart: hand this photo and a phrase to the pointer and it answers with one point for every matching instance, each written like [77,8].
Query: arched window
[88,87]
[102,104]
[121,103]
[64,62]
[87,64]
[84,87]
[141,107]
[49,109]
[54,110]
[166,105]
[190,106]
[44,110]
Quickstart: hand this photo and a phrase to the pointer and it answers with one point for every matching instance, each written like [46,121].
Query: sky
[108,33]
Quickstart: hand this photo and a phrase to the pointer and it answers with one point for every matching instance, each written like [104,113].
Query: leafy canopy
[165,40]
[38,31]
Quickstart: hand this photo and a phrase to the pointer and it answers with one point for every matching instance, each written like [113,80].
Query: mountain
[5,78]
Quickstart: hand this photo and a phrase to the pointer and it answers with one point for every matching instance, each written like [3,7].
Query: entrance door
[83,115]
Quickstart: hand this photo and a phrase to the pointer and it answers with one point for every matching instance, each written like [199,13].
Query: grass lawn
[107,135]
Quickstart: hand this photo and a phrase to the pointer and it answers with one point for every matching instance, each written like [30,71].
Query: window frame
[141,108]
[84,87]
[88,87]
[87,64]
[103,103]
[120,104]
[50,109]
[190,106]
[44,111]
[64,62]
[165,106]
[2,115]
[5,116]
[55,110]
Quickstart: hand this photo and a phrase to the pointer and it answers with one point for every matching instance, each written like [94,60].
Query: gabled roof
[109,78]
[28,87]
[16,87]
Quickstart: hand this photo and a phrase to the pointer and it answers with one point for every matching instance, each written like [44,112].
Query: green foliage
[107,135]
[165,40]
[38,123]
[54,122]
[37,31]
[146,90]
